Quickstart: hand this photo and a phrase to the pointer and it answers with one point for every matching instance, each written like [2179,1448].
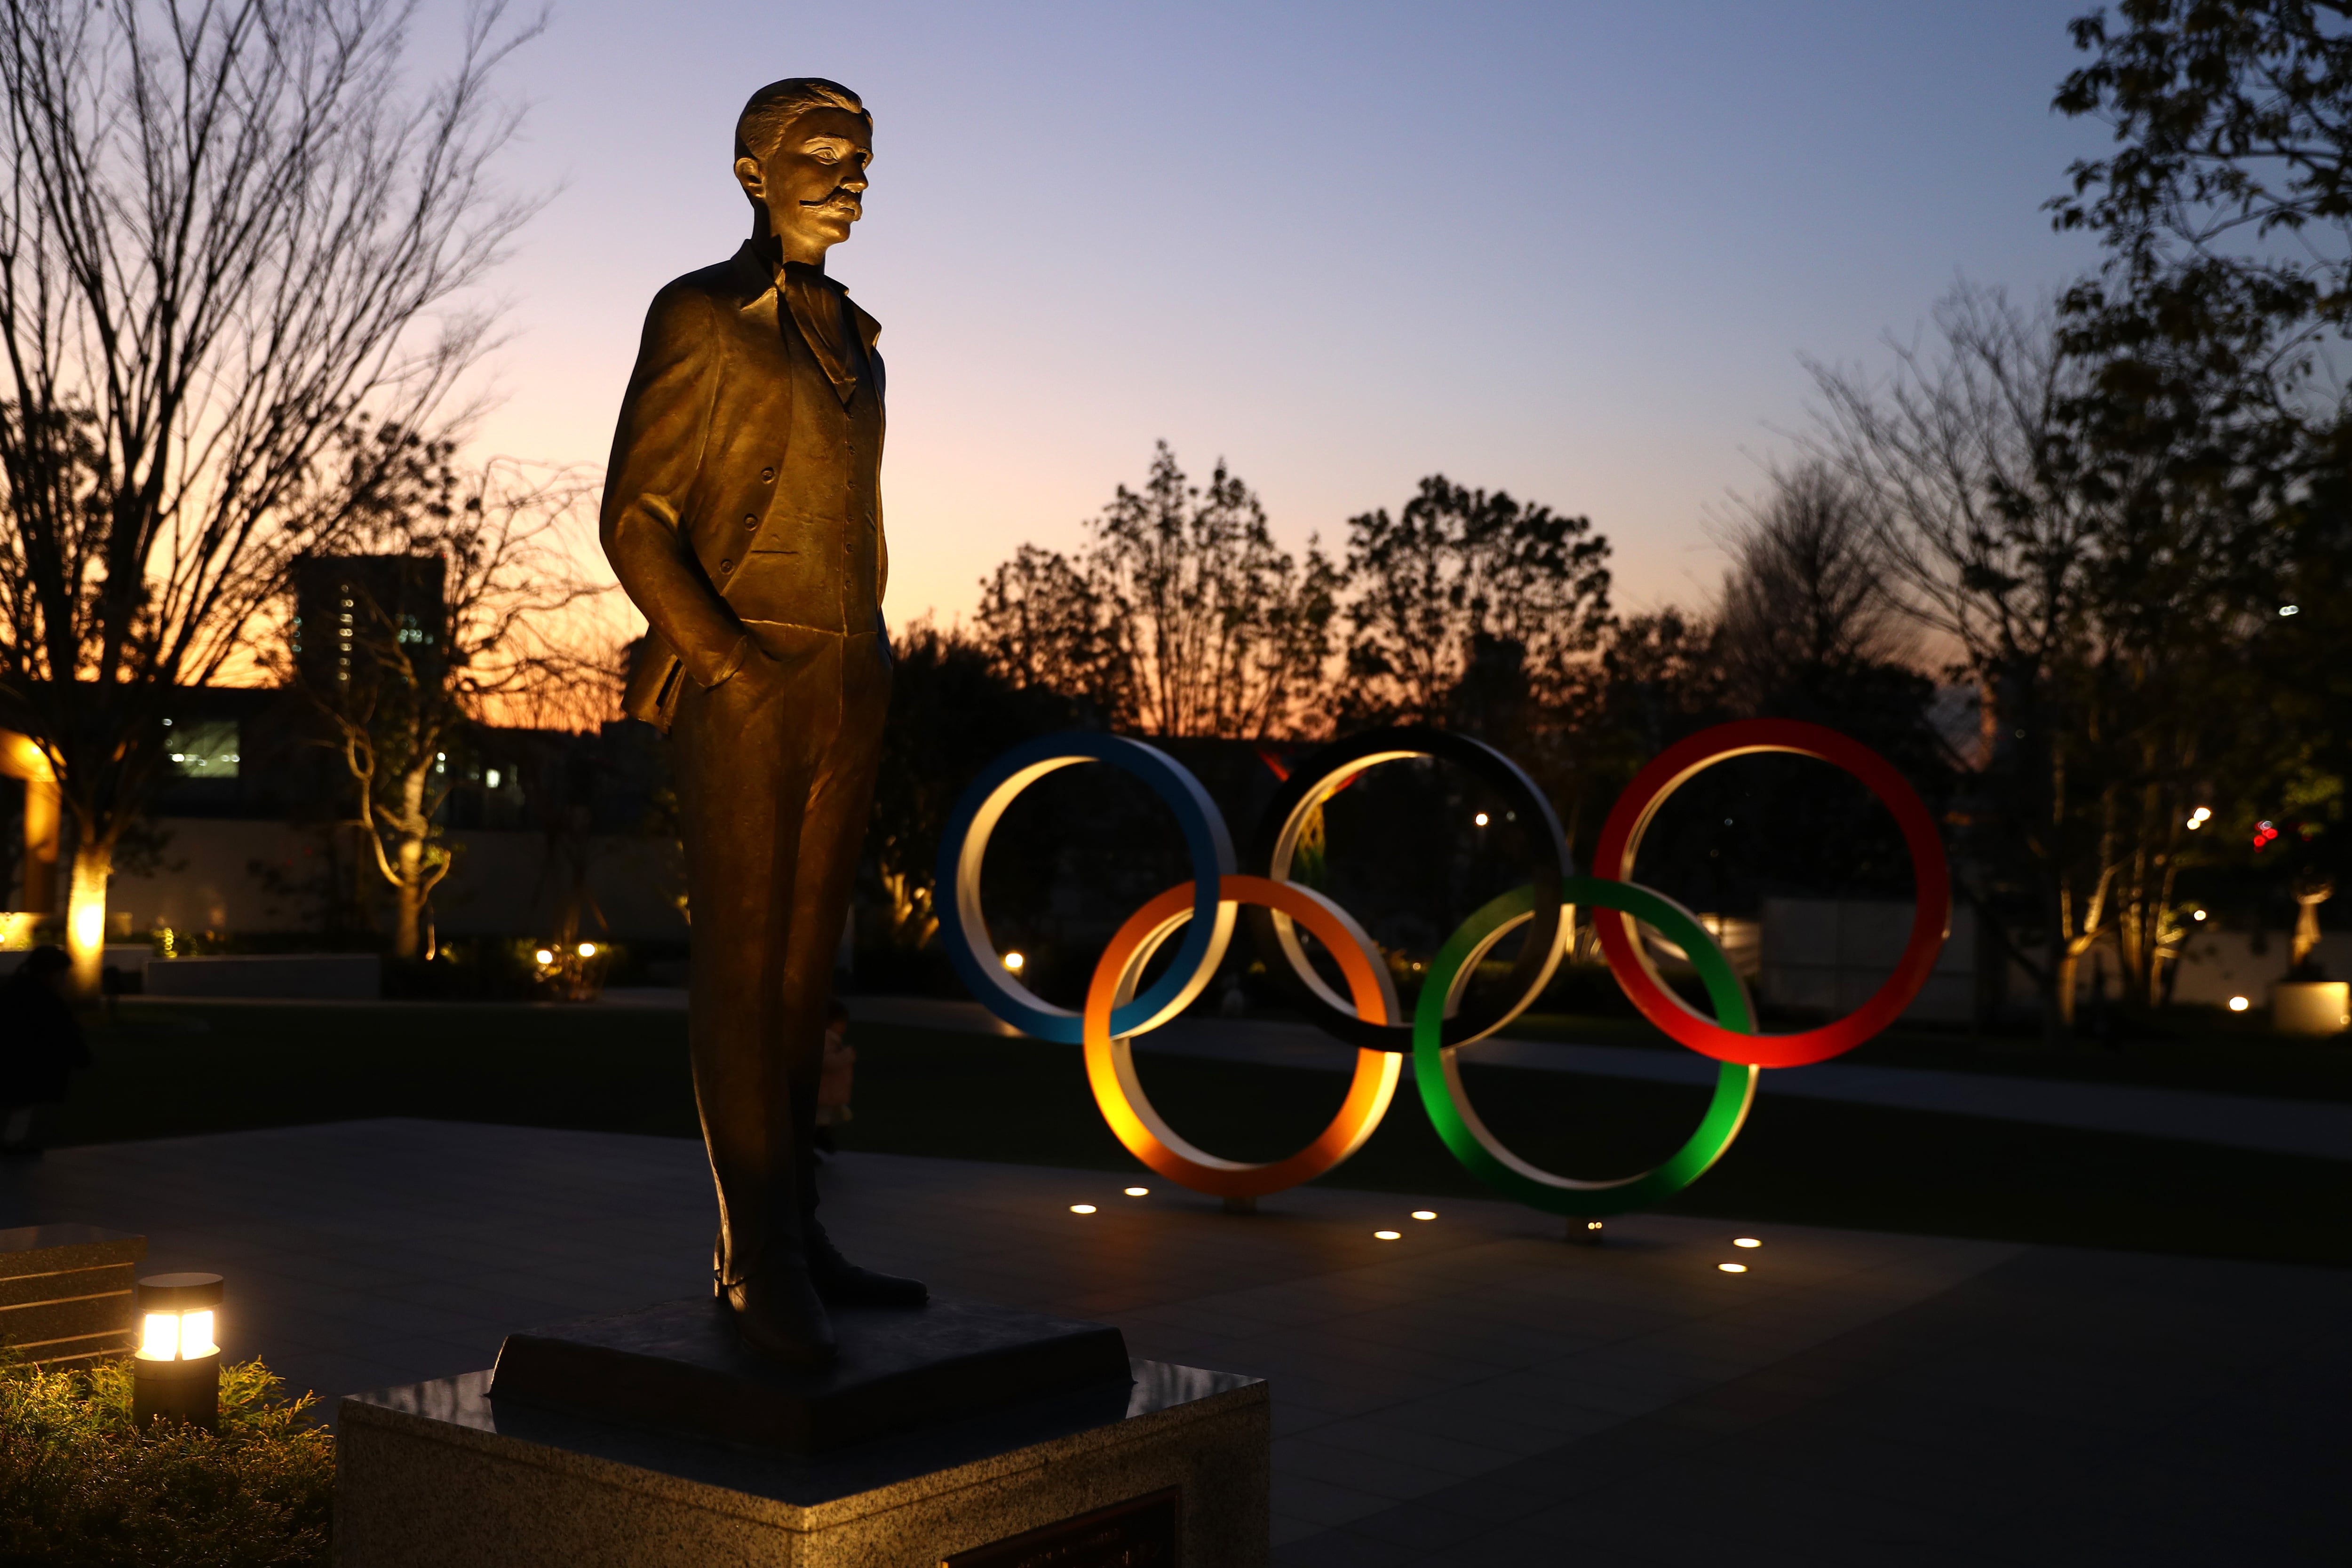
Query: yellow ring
[1110,1064]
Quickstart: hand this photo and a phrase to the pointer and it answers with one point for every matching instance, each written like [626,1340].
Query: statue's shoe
[842,1283]
[778,1315]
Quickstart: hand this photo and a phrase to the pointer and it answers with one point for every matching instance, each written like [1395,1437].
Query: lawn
[166,1069]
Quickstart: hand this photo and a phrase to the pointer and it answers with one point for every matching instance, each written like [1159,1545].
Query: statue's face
[810,184]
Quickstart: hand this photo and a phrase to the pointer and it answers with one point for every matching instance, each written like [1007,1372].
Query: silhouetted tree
[2079,528]
[226,231]
[952,712]
[1178,617]
[400,687]
[1468,596]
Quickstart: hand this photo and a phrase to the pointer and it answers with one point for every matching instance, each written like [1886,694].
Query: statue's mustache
[838,194]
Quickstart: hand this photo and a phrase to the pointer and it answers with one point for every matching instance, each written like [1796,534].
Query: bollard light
[176,1370]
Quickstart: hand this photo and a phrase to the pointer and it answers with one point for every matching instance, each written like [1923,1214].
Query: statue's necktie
[823,318]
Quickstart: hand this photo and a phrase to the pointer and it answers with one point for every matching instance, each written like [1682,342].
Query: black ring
[1271,843]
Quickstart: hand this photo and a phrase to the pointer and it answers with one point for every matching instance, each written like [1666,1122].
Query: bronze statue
[744,514]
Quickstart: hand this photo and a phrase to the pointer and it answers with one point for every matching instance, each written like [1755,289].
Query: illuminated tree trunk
[86,916]
[408,918]
[413,871]
[2310,893]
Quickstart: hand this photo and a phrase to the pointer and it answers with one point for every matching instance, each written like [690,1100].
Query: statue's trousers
[775,779]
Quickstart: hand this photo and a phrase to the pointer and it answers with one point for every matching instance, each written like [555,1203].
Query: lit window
[207,748]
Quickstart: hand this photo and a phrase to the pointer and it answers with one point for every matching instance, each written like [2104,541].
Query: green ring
[1438,1079]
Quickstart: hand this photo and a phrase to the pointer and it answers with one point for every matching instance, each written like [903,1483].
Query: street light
[176,1372]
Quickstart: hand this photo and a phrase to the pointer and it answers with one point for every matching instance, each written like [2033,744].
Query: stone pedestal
[65,1292]
[1167,1472]
[2311,1006]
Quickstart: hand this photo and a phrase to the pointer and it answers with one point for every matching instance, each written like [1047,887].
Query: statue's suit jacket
[703,435]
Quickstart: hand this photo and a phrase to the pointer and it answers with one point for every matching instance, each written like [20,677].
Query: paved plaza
[1478,1391]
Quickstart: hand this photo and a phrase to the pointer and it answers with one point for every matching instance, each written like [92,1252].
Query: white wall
[1830,954]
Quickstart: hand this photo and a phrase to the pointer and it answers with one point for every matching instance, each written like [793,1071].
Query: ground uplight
[1425,1214]
[1746,1241]
[1139,1192]
[1733,1268]
[1386,1235]
[1082,1209]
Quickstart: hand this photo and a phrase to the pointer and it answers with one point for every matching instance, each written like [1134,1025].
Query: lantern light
[2239,1004]
[176,1370]
[1481,819]
[1013,961]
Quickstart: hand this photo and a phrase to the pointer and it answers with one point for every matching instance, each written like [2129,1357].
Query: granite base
[65,1292]
[435,1475]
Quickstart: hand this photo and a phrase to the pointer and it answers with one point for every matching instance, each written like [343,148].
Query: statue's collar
[760,266]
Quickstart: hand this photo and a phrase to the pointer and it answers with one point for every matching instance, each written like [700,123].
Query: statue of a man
[744,514]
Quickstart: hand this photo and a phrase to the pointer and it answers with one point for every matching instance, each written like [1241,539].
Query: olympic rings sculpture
[1204,909]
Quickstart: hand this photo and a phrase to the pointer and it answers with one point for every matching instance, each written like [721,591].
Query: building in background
[345,604]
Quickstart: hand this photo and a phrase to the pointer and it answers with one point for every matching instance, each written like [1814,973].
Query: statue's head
[801,149]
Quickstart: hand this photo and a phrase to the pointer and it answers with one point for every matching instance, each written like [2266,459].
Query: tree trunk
[408,899]
[2058,1018]
[86,916]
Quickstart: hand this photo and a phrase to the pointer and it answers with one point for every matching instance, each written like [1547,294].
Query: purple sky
[1571,249]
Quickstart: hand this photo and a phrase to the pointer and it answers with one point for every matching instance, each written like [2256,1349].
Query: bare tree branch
[230,231]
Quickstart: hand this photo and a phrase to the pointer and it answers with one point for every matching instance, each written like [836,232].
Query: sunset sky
[1573,250]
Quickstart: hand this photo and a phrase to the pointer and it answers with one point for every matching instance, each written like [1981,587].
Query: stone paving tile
[1477,1392]
[1325,1503]
[1415,1444]
[1822,1460]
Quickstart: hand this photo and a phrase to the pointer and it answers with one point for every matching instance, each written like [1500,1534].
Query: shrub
[81,1486]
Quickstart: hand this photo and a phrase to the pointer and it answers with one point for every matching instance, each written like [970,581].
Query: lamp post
[177,1367]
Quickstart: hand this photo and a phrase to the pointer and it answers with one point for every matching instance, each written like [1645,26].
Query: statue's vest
[811,562]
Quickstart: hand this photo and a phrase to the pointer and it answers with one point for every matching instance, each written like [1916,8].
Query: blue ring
[965,841]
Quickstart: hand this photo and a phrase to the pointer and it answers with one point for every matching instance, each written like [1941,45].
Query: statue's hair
[777,105]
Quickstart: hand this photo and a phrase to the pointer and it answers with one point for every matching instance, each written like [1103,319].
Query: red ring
[1621,836]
